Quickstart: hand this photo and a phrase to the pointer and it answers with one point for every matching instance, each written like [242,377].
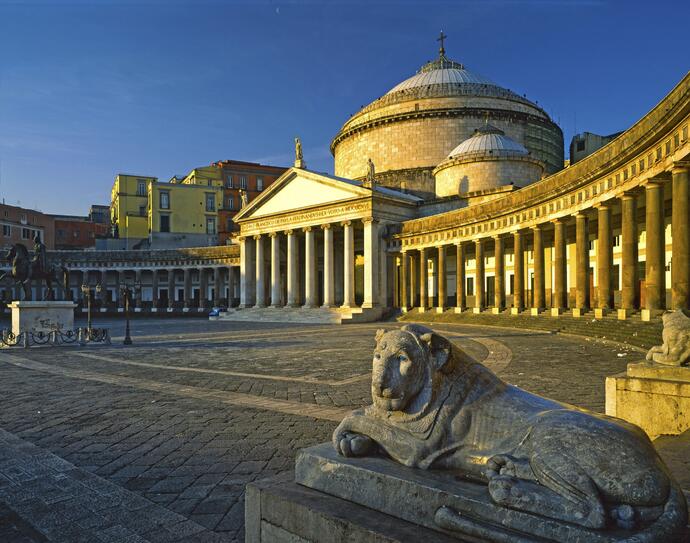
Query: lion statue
[436,407]
[675,350]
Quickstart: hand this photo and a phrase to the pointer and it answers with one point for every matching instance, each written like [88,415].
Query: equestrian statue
[26,268]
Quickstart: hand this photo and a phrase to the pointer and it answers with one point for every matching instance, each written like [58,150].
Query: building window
[165,200]
[22,219]
[668,148]
[616,241]
[642,165]
[142,211]
[230,203]
[259,183]
[470,286]
[6,230]
[229,225]
[141,188]
[210,202]
[209,182]
[26,233]
[210,226]
[165,223]
[228,181]
[243,182]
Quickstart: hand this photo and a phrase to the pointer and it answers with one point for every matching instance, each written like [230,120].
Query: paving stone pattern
[190,413]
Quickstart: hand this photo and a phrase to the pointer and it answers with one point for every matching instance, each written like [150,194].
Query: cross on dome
[441,38]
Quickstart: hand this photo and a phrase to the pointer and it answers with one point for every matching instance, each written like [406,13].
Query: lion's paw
[504,464]
[510,492]
[350,444]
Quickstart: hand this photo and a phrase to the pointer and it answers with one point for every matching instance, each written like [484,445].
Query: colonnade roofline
[653,146]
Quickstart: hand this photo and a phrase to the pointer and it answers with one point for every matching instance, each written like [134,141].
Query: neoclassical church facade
[449,194]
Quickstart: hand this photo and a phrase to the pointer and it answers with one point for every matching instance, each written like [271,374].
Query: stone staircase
[317,315]
[632,331]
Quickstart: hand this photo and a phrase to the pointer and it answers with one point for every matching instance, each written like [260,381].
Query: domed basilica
[447,120]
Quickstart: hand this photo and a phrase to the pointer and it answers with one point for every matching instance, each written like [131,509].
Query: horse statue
[25,269]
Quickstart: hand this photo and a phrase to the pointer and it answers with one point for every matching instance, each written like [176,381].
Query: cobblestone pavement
[180,421]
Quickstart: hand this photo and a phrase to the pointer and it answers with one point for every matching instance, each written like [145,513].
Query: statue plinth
[655,397]
[45,316]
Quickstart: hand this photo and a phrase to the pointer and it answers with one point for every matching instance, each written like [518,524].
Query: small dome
[489,141]
[441,71]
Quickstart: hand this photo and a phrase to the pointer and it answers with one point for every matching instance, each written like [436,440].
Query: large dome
[413,127]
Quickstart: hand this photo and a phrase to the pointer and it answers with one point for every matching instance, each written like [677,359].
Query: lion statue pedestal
[447,450]
[655,394]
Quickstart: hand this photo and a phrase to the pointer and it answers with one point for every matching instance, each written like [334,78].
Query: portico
[327,247]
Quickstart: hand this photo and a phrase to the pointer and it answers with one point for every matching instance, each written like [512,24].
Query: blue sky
[92,88]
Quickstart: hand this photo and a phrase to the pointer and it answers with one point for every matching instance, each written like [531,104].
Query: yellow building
[149,214]
[129,206]
[183,215]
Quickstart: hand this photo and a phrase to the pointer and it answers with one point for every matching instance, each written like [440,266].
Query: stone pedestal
[624,314]
[653,396]
[42,316]
[600,312]
[374,500]
[514,310]
[557,311]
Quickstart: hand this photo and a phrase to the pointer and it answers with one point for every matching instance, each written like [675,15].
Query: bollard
[25,339]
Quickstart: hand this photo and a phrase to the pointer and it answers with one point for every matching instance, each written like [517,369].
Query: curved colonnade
[611,231]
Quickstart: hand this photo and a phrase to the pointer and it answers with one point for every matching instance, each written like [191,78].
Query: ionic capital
[326,226]
[272,234]
[346,223]
[257,237]
[306,229]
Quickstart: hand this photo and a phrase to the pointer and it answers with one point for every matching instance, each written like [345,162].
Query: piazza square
[459,316]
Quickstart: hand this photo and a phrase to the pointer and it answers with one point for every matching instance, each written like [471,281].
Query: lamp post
[86,291]
[126,292]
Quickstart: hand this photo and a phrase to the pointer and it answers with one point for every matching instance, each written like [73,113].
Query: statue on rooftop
[435,407]
[371,174]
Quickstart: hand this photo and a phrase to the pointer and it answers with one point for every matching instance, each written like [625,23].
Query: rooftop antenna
[441,50]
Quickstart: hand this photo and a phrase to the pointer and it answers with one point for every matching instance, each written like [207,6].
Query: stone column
[260,272]
[518,274]
[203,288]
[233,278]
[371,263]
[479,280]
[292,269]
[328,269]
[680,230]
[629,245]
[104,287]
[442,296]
[414,276]
[500,276]
[247,272]
[655,272]
[348,264]
[187,288]
[539,297]
[120,283]
[275,269]
[309,268]
[581,265]
[460,294]
[154,288]
[560,274]
[423,280]
[218,286]
[404,282]
[604,260]
[171,288]
[137,292]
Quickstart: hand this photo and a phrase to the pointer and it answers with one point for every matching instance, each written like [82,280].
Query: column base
[185,310]
[309,306]
[459,310]
[600,312]
[440,309]
[419,309]
[402,309]
[624,314]
[102,310]
[557,311]
[477,310]
[259,306]
[170,309]
[649,314]
[368,305]
[496,310]
[535,311]
[154,310]
[328,306]
[137,309]
[515,310]
[272,306]
[579,312]
[120,309]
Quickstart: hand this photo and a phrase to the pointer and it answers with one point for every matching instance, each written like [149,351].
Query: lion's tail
[671,524]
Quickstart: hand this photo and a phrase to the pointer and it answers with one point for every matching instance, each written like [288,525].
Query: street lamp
[126,293]
[86,291]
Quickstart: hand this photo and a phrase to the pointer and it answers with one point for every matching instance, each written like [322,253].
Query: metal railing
[28,338]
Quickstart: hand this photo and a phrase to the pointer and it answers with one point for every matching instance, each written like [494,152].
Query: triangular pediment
[300,189]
